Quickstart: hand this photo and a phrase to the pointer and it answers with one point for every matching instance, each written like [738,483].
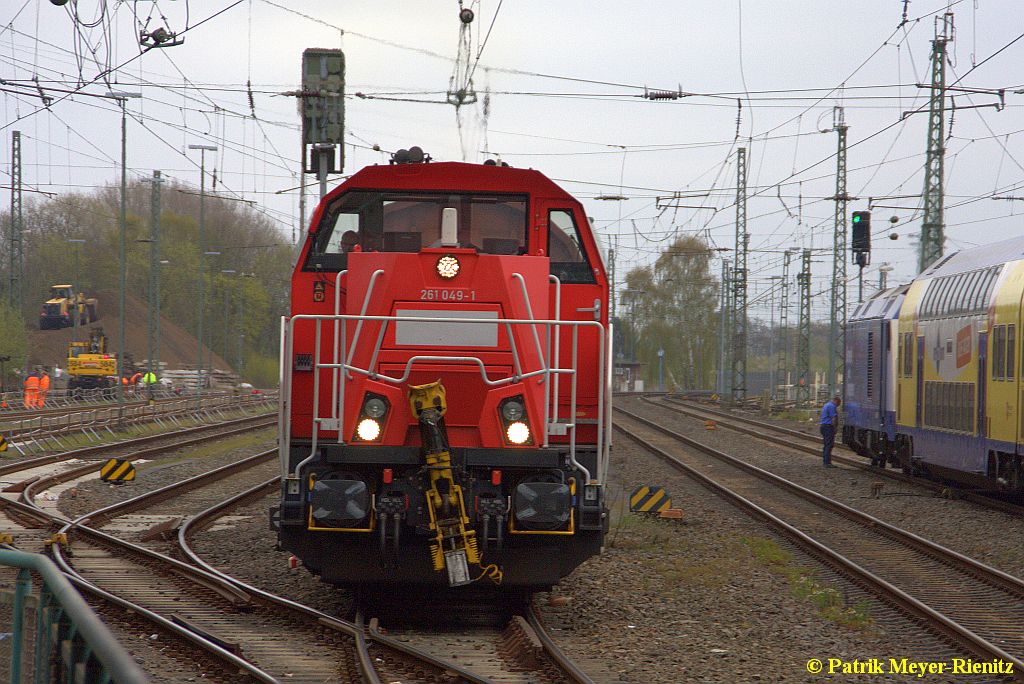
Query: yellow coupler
[453,541]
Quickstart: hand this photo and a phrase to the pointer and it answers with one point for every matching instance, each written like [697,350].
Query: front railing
[340,364]
[54,635]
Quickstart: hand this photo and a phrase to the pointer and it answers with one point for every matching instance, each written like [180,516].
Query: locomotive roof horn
[413,155]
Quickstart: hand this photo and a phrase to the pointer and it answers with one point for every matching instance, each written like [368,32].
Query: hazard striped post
[648,499]
[117,471]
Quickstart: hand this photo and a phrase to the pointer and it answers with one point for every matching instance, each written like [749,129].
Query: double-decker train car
[869,416]
[934,371]
[445,381]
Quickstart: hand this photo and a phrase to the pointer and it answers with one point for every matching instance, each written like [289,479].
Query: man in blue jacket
[829,422]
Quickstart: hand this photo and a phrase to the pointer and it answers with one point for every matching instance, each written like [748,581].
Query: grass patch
[217,448]
[829,601]
[643,532]
[801,415]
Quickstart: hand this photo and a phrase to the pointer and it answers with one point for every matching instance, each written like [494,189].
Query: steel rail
[204,518]
[856,461]
[880,586]
[102,516]
[180,568]
[25,464]
[551,648]
[28,493]
[230,591]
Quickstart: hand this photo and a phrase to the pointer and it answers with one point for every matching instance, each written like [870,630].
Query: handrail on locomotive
[544,375]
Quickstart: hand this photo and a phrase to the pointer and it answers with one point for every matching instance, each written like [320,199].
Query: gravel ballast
[668,601]
[990,536]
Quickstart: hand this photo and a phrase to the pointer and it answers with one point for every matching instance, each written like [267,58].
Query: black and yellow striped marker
[3,443]
[647,499]
[118,471]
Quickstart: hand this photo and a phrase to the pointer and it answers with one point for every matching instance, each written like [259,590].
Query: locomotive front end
[442,421]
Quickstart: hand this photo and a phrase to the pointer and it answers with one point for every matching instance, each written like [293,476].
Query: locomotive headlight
[518,433]
[375,408]
[368,429]
[447,267]
[512,411]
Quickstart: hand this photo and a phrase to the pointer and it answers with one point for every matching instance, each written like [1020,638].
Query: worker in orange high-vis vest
[44,387]
[31,390]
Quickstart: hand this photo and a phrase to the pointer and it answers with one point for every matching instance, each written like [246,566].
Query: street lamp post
[203,149]
[122,99]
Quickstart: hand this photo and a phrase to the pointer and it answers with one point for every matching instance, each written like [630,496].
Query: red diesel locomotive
[445,382]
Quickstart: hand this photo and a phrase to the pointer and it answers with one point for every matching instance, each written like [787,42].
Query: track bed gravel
[668,601]
[990,536]
[166,469]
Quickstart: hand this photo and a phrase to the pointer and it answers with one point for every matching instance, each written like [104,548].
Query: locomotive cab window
[409,222]
[569,261]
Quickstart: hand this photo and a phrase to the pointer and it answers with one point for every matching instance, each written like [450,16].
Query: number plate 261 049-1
[444,294]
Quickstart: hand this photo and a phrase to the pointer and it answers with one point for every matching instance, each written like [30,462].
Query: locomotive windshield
[408,222]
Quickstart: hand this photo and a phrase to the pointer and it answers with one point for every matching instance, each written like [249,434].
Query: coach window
[565,248]
[945,299]
[1011,351]
[956,306]
[999,352]
[929,297]
[972,287]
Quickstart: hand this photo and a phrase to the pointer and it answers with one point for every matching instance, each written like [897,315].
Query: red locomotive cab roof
[452,177]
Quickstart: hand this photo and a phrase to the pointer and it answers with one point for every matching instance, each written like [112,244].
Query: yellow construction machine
[64,304]
[89,364]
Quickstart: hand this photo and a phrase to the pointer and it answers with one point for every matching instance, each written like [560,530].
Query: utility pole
[932,228]
[611,276]
[14,295]
[739,283]
[803,347]
[837,319]
[122,99]
[203,149]
[153,353]
[782,360]
[724,329]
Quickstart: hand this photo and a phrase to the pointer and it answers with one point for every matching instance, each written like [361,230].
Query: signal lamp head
[375,407]
[447,267]
[518,433]
[512,411]
[368,429]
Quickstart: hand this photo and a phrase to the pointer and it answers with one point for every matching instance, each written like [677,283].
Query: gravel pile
[990,536]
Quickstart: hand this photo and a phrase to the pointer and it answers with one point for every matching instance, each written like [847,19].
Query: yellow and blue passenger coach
[934,370]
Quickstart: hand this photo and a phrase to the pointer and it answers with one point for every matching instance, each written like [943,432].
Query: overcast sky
[566,82]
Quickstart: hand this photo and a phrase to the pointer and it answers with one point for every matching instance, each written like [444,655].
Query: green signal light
[856,219]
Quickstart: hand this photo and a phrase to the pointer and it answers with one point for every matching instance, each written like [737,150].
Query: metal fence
[45,432]
[53,634]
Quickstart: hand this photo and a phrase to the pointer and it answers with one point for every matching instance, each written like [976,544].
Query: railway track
[810,444]
[519,650]
[246,632]
[974,606]
[52,428]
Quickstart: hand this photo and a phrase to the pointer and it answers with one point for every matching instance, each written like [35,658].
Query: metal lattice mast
[724,329]
[782,359]
[739,283]
[803,346]
[837,321]
[932,228]
[15,249]
[153,353]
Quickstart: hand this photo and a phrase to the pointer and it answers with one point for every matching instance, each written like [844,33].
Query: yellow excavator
[89,364]
[64,304]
